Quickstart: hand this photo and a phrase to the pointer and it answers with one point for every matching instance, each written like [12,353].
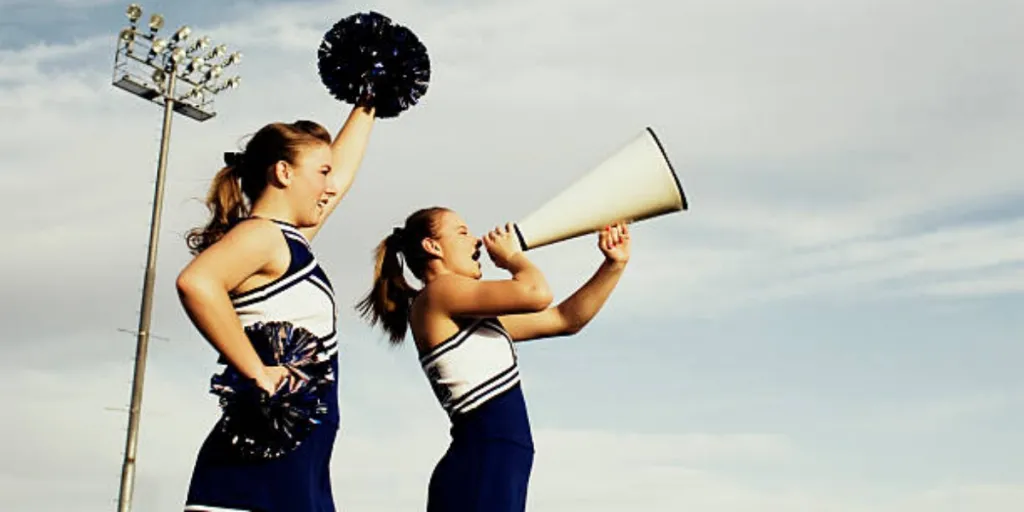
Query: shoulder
[254,230]
[444,287]
[446,283]
[431,301]
[252,246]
[250,237]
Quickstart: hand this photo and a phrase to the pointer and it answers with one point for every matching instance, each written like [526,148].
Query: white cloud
[809,137]
[990,498]
[793,212]
[939,263]
[842,155]
[62,447]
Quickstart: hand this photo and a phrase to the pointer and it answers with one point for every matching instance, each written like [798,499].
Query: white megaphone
[635,183]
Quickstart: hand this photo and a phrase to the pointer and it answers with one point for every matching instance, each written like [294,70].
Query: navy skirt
[299,481]
[488,463]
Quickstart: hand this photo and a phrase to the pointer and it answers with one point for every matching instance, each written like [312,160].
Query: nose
[331,188]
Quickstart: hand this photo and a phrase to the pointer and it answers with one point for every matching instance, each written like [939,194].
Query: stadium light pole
[183,77]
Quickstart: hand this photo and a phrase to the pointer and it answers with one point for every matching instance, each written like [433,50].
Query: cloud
[940,263]
[835,169]
[832,152]
[382,469]
[60,437]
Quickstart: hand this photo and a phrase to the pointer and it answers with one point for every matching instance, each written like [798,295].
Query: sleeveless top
[303,296]
[472,367]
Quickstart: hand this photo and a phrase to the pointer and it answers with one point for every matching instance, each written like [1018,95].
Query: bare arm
[203,287]
[575,312]
[526,291]
[347,151]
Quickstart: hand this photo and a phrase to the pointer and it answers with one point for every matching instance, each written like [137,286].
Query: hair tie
[233,158]
[397,238]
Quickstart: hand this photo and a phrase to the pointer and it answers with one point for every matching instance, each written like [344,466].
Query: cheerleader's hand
[273,378]
[614,242]
[502,246]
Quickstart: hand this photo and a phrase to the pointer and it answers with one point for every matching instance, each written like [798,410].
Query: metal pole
[142,346]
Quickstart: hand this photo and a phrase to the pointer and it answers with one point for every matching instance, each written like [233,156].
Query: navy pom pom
[263,426]
[366,58]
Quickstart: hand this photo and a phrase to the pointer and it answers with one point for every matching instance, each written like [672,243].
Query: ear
[432,247]
[283,173]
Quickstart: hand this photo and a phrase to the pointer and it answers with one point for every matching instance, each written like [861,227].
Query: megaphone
[635,183]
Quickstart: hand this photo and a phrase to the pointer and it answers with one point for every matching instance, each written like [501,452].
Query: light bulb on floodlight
[234,58]
[230,83]
[194,65]
[159,45]
[182,34]
[126,37]
[159,77]
[177,54]
[134,12]
[156,22]
[217,52]
[200,44]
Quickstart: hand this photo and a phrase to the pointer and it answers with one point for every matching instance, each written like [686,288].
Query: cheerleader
[253,268]
[465,330]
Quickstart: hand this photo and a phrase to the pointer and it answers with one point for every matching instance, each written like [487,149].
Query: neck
[433,272]
[270,207]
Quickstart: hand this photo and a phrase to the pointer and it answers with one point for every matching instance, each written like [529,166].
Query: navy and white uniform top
[302,296]
[473,366]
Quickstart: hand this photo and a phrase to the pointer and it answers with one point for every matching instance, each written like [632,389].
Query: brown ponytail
[226,204]
[389,300]
[242,181]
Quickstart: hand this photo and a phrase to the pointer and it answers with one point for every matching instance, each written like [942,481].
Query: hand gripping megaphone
[636,183]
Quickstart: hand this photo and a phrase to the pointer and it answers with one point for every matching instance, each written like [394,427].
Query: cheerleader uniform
[475,376]
[300,480]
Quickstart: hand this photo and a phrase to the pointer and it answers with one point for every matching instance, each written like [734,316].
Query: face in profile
[459,249]
[312,184]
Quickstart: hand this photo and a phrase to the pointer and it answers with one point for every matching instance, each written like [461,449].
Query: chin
[312,221]
[472,273]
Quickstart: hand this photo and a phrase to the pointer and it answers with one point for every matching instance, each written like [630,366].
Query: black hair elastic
[233,158]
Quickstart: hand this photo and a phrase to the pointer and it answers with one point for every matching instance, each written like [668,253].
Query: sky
[829,328]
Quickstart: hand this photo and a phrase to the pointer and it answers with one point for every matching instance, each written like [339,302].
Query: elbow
[539,298]
[573,325]
[569,321]
[184,284]
[189,286]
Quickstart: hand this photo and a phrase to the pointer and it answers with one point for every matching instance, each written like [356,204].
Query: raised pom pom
[366,58]
[262,426]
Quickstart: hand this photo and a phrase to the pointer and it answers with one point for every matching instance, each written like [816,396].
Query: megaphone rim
[671,168]
[519,235]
